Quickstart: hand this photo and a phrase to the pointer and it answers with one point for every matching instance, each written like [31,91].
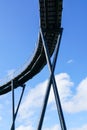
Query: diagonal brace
[52,80]
[13,105]
[49,85]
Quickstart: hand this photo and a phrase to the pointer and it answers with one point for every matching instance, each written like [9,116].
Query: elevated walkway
[48,43]
[50,22]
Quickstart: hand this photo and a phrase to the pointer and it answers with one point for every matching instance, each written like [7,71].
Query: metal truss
[52,81]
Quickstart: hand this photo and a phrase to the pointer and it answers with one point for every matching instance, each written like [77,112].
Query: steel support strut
[14,113]
[13,104]
[52,81]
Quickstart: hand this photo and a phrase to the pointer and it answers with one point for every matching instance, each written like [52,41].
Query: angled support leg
[52,81]
[13,106]
[49,85]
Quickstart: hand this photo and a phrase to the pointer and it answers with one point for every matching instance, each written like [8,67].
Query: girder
[50,22]
[48,43]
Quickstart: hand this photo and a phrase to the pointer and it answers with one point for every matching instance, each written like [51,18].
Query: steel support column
[52,81]
[14,113]
[13,104]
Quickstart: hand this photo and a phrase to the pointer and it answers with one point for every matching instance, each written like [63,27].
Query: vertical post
[13,104]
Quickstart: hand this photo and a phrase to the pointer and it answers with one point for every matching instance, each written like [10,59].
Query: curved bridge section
[50,22]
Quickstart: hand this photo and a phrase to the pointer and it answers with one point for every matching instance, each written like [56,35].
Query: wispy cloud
[9,76]
[1,107]
[70,61]
[55,127]
[0,118]
[29,127]
[84,127]
[10,73]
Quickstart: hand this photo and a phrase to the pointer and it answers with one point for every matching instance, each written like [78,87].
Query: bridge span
[50,22]
[49,39]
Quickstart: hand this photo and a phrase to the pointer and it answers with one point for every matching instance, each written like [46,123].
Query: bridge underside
[50,22]
[48,43]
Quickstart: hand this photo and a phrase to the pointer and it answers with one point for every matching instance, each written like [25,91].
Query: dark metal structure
[48,43]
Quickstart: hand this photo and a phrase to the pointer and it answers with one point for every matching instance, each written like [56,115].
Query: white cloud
[0,118]
[71,102]
[84,127]
[78,101]
[55,127]
[64,86]
[35,97]
[10,73]
[9,76]
[70,61]
[1,107]
[25,128]
[32,101]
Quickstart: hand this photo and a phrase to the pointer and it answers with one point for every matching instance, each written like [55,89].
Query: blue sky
[19,26]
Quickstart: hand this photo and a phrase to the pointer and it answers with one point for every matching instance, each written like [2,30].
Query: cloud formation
[35,97]
[77,102]
[71,102]
[70,61]
[84,127]
[25,128]
[55,127]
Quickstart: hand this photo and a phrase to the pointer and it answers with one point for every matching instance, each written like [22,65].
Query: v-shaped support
[14,113]
[52,81]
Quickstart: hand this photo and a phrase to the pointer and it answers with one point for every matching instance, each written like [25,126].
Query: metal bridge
[48,43]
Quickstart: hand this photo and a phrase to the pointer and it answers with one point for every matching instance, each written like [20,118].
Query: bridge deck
[50,22]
